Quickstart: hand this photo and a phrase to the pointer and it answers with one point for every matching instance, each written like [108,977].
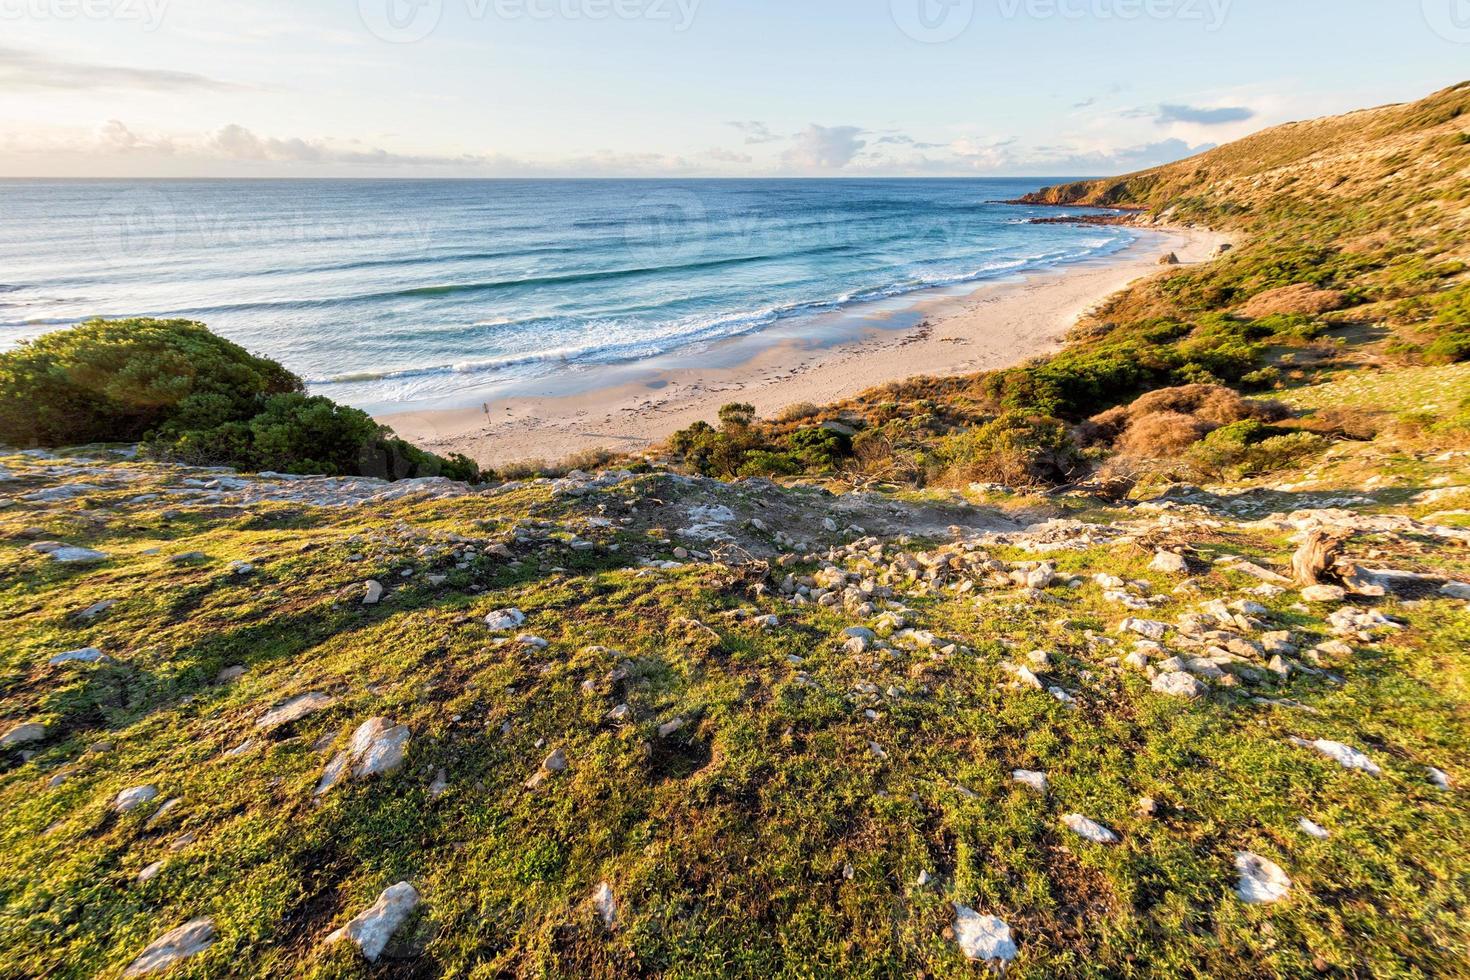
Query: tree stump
[1317,557]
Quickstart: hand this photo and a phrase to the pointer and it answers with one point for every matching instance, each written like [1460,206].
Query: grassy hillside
[658,724]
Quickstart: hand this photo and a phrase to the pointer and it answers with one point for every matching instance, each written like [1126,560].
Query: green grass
[727,844]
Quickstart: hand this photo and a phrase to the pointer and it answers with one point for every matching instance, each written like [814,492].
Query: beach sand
[632,408]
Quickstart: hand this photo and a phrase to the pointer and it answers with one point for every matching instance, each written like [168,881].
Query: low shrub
[191,396]
[1014,449]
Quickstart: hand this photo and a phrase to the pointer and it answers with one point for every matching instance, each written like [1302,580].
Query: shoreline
[942,332]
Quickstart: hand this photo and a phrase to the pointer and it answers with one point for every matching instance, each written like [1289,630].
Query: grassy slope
[728,844]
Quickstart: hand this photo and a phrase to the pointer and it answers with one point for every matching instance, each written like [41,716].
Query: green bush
[1452,348]
[1014,449]
[191,396]
[1250,447]
[117,381]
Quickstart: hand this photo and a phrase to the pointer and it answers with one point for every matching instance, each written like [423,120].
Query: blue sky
[688,87]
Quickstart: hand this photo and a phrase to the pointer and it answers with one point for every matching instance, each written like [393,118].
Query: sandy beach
[630,408]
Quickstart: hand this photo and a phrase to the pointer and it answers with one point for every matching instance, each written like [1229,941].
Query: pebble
[1324,593]
[373,593]
[1169,563]
[1345,756]
[1440,779]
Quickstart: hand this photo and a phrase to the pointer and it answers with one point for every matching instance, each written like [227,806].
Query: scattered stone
[1324,593]
[1345,756]
[377,749]
[229,675]
[77,556]
[665,730]
[555,763]
[88,655]
[372,929]
[1148,807]
[1313,829]
[620,714]
[1089,829]
[150,872]
[130,799]
[294,710]
[95,610]
[1035,781]
[189,939]
[1147,628]
[1261,882]
[1440,779]
[1169,563]
[504,620]
[440,785]
[1177,684]
[373,593]
[1456,590]
[22,735]
[983,937]
[606,906]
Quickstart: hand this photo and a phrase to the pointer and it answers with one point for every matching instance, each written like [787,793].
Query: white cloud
[28,70]
[824,148]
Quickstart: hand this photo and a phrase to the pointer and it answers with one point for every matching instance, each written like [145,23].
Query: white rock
[131,799]
[1178,684]
[1456,590]
[1031,780]
[1312,829]
[77,556]
[1169,563]
[1146,628]
[378,747]
[1261,881]
[606,905]
[665,730]
[187,940]
[294,710]
[150,872]
[372,929]
[88,655]
[1089,829]
[503,620]
[1440,778]
[373,593]
[1324,593]
[983,937]
[1346,756]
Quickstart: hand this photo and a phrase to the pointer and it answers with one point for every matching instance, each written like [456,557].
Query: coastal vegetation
[189,395]
[1145,660]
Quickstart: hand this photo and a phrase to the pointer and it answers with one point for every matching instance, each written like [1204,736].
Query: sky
[676,88]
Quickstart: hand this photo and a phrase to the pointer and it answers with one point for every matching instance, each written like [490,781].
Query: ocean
[391,295]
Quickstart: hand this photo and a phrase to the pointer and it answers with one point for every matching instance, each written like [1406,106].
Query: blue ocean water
[392,294]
